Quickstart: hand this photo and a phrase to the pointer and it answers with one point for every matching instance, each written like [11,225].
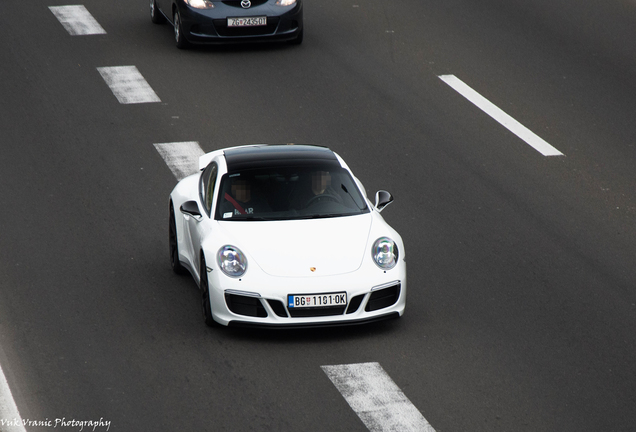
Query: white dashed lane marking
[77,20]
[504,119]
[376,399]
[128,85]
[181,157]
[10,420]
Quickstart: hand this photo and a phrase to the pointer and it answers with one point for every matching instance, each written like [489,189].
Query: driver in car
[241,201]
[321,188]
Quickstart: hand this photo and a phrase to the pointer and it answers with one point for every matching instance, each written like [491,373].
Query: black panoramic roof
[264,156]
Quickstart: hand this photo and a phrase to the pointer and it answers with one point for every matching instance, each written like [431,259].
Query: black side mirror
[190,208]
[382,199]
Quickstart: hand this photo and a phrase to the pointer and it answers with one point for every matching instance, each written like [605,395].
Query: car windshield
[285,193]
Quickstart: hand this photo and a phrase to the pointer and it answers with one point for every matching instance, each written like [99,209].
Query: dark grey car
[227,21]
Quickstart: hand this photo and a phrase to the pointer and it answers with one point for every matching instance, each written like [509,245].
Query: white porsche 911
[284,236]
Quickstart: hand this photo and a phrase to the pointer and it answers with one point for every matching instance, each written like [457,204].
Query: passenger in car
[240,200]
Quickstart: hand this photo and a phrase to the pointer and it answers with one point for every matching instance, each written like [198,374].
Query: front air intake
[383,298]
[278,307]
[243,305]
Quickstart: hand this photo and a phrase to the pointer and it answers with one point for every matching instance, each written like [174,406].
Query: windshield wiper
[323,216]
[250,218]
[344,188]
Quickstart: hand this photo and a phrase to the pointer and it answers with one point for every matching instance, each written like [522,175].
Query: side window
[208,180]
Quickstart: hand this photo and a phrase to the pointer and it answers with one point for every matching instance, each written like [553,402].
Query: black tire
[179,39]
[155,15]
[299,38]
[205,294]
[174,245]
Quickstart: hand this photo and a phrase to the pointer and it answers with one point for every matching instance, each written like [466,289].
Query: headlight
[285,2]
[385,253]
[231,261]
[199,4]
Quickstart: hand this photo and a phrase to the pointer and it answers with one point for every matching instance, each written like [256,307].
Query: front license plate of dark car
[247,21]
[317,300]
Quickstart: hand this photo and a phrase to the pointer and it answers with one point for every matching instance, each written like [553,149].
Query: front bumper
[210,26]
[301,325]
[238,302]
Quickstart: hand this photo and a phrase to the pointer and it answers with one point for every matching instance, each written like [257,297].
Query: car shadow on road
[316,334]
[237,48]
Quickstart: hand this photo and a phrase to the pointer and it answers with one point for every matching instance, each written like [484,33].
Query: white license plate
[247,22]
[317,300]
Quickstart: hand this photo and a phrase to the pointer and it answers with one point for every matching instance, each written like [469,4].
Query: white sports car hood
[330,246]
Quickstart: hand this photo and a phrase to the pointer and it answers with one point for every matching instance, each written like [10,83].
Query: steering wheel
[322,197]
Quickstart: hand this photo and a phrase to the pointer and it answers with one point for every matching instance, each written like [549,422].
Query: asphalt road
[522,302]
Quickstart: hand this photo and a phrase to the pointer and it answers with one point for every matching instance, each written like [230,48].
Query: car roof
[263,156]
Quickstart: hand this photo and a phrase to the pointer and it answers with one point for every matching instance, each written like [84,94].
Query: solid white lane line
[181,157]
[77,20]
[504,119]
[127,84]
[10,420]
[376,399]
